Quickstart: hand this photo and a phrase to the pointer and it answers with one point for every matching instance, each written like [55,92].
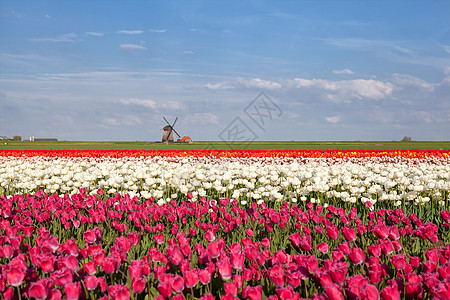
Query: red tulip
[305,242]
[191,278]
[69,261]
[348,233]
[133,237]
[276,275]
[209,236]
[39,289]
[89,236]
[47,262]
[110,265]
[375,273]
[252,292]
[338,271]
[393,233]
[387,247]
[381,231]
[333,292]
[231,288]
[50,244]
[237,260]
[390,293]
[165,289]
[159,238]
[285,294]
[323,247]
[374,250]
[265,242]
[138,285]
[61,277]
[225,268]
[204,276]
[72,290]
[357,255]
[311,263]
[214,249]
[429,266]
[91,282]
[177,283]
[399,261]
[249,232]
[345,248]
[414,261]
[332,232]
[90,267]
[102,284]
[119,292]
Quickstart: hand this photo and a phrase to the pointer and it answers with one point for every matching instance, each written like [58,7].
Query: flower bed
[232,225]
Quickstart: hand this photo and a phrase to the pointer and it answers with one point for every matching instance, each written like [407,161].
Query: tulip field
[217,224]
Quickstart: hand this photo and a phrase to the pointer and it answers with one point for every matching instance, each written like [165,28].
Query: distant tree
[406,139]
[17,138]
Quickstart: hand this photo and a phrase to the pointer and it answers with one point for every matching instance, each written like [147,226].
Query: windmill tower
[168,131]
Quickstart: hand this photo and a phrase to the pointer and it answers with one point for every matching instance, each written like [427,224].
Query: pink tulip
[191,278]
[119,292]
[231,288]
[204,276]
[252,292]
[399,261]
[72,290]
[390,293]
[225,268]
[332,232]
[357,255]
[91,282]
[323,247]
[39,289]
[138,285]
[61,277]
[276,275]
[237,260]
[177,283]
[348,233]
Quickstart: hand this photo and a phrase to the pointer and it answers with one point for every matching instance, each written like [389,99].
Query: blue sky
[329,70]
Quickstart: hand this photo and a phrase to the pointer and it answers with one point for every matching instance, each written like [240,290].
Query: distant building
[167,134]
[4,138]
[33,139]
[185,139]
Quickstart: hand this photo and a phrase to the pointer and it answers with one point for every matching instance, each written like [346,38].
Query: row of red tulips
[419,154]
[77,247]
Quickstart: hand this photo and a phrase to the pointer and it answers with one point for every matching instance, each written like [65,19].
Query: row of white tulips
[401,181]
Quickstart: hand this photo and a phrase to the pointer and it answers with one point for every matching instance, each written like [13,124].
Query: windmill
[168,131]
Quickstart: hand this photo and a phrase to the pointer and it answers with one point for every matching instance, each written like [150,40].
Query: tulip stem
[18,289]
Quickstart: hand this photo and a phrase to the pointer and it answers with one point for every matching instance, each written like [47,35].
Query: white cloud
[133,101]
[132,32]
[358,88]
[405,80]
[176,105]
[188,52]
[245,83]
[48,17]
[446,48]
[111,121]
[202,118]
[334,119]
[132,47]
[345,71]
[158,30]
[68,37]
[94,33]
[341,91]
